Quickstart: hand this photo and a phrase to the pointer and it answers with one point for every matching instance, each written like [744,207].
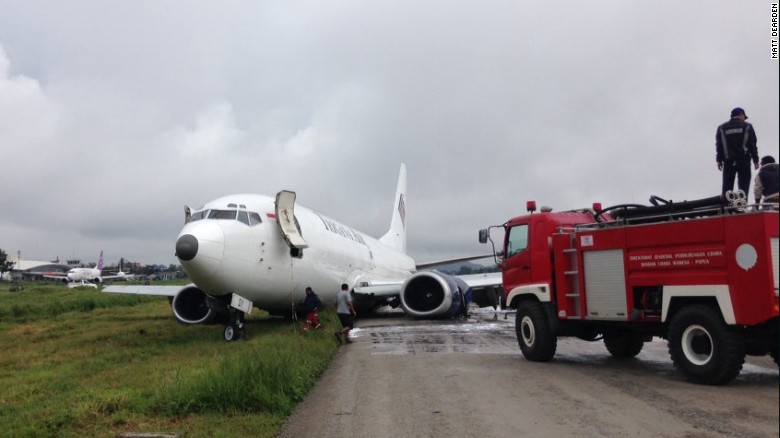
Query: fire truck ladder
[571,302]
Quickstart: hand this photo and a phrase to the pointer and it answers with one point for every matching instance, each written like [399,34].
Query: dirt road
[468,379]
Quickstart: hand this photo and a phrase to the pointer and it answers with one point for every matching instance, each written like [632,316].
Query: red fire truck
[702,274]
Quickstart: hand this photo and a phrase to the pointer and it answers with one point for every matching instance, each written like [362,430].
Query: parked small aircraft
[244,251]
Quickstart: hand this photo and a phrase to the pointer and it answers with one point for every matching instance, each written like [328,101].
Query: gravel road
[403,377]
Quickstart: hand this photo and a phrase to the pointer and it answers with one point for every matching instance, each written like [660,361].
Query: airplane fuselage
[234,245]
[83,274]
[243,251]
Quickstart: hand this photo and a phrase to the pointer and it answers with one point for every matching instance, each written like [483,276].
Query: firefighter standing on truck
[767,184]
[735,148]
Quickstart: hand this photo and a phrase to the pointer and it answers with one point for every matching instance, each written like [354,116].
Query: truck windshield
[517,240]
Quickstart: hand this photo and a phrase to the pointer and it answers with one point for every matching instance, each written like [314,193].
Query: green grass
[77,362]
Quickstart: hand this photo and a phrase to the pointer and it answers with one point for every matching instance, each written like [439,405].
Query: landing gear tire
[232,332]
[537,342]
[703,347]
[623,345]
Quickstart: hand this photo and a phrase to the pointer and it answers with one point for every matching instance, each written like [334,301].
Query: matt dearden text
[773,33]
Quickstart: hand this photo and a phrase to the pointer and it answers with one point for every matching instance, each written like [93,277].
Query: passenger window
[518,240]
[243,217]
[254,218]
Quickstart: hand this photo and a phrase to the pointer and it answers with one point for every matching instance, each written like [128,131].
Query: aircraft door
[285,218]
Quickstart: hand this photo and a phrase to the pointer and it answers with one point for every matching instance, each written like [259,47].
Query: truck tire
[536,340]
[703,347]
[623,345]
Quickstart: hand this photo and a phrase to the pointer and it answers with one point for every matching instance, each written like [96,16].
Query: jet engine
[429,294]
[191,306]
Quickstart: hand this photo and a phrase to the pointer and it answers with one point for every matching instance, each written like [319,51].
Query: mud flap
[285,218]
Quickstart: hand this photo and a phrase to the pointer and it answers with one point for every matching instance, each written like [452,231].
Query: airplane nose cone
[186,247]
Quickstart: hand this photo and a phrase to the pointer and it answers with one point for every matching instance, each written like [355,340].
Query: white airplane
[78,276]
[121,275]
[244,251]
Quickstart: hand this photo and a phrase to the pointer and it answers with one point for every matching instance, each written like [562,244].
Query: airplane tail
[100,261]
[396,236]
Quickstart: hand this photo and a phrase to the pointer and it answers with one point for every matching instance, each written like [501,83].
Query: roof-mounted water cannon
[530,206]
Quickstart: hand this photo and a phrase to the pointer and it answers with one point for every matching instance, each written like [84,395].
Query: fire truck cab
[702,274]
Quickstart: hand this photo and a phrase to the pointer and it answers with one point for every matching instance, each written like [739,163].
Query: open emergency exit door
[288,225]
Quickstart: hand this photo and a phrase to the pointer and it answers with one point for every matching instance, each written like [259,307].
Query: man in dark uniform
[767,185]
[735,148]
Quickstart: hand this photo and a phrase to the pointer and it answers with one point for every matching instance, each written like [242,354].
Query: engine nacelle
[430,294]
[191,306]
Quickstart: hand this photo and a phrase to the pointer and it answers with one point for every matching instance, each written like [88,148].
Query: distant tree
[5,265]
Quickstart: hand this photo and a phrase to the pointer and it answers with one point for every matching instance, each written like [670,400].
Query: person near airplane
[766,182]
[243,251]
[345,309]
[312,304]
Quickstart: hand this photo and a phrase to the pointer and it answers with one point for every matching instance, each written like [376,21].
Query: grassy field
[77,362]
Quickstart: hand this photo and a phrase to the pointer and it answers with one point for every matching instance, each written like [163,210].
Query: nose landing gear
[236,327]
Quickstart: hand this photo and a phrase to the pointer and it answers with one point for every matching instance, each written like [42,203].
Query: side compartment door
[285,217]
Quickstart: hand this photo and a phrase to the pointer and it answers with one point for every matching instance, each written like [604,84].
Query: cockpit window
[222,214]
[198,215]
[249,218]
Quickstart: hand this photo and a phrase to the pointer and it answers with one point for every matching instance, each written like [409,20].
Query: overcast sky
[115,114]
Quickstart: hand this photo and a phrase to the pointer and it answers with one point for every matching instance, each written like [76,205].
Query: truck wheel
[703,347]
[536,340]
[623,345]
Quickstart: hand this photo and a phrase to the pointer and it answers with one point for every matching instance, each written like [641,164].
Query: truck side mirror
[483,236]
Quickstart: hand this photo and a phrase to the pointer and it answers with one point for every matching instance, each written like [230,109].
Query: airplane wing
[122,276]
[379,290]
[482,280]
[162,291]
[428,265]
[429,289]
[485,288]
[475,281]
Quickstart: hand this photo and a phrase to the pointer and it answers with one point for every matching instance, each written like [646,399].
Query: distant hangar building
[35,270]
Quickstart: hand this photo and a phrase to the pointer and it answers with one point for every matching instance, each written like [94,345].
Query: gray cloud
[113,115]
